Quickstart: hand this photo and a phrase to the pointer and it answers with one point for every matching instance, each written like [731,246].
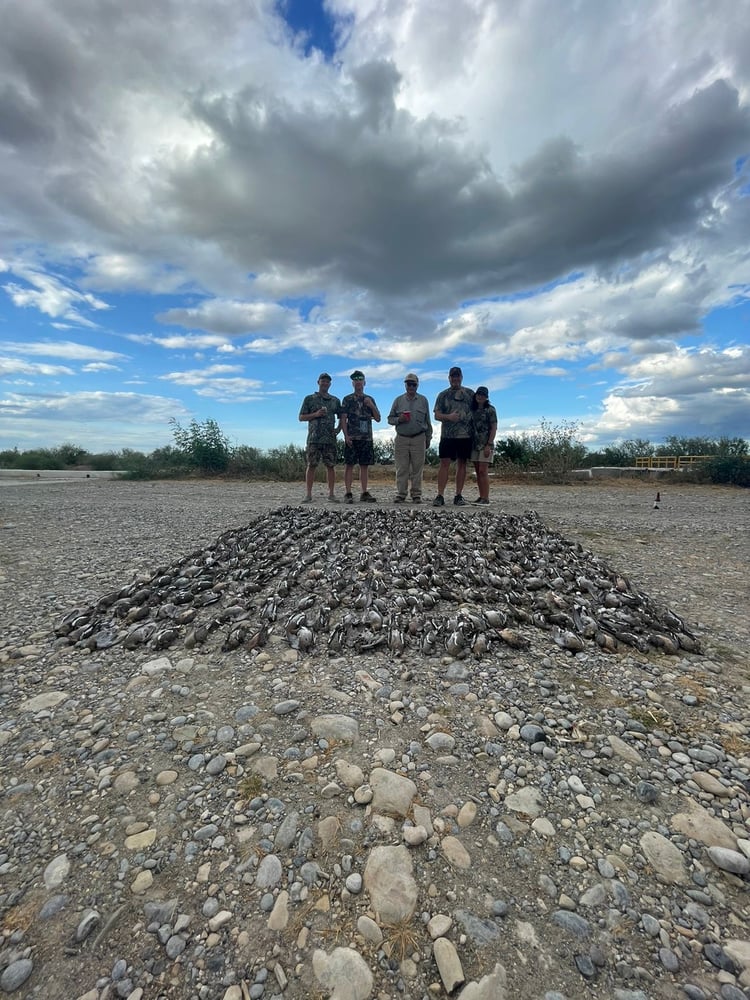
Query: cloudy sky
[206,203]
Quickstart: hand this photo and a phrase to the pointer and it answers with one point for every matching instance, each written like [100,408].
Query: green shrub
[514,451]
[104,461]
[71,454]
[554,450]
[288,463]
[731,447]
[204,446]
[385,451]
[732,470]
[167,458]
[675,445]
[620,455]
[41,458]
[136,465]
[245,461]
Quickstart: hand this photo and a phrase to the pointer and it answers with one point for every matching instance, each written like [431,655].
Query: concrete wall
[618,472]
[51,475]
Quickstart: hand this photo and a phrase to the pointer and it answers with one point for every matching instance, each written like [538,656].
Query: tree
[71,454]
[620,455]
[553,449]
[736,447]
[204,445]
[557,448]
[515,450]
[675,445]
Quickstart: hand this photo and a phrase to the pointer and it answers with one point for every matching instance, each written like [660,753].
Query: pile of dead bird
[353,581]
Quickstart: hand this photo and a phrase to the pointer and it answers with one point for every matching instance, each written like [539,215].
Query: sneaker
[306,500]
[438,501]
[399,499]
[458,501]
[481,502]
[367,498]
[333,499]
[348,498]
[416,499]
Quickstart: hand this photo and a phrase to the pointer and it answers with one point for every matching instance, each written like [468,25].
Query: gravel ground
[224,821]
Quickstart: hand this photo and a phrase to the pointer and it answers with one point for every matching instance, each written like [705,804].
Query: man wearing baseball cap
[319,410]
[410,415]
[453,411]
[358,410]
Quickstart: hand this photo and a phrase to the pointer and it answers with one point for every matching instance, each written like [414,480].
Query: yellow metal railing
[670,461]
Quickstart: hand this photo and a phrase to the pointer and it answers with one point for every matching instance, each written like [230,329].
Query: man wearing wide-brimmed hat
[410,415]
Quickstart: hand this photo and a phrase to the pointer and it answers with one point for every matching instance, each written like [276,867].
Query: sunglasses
[410,383]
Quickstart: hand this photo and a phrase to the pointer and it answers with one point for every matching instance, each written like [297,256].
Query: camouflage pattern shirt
[322,430]
[455,401]
[358,417]
[482,419]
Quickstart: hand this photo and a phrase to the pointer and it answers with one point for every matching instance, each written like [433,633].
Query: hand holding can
[406,416]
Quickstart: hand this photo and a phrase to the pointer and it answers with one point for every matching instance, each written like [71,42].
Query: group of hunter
[468,424]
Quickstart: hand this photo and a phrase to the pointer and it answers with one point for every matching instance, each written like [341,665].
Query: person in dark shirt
[320,410]
[484,428]
[453,412]
[358,410]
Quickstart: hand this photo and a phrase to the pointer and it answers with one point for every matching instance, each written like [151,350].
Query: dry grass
[401,939]
[302,914]
[654,717]
[249,847]
[735,746]
[694,685]
[327,926]
[21,917]
[330,750]
[250,786]
[48,762]
[330,849]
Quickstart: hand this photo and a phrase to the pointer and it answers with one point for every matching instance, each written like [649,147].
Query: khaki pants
[409,457]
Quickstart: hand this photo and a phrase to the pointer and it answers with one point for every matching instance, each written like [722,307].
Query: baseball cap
[482,391]
[357,375]
[455,370]
[411,377]
[324,377]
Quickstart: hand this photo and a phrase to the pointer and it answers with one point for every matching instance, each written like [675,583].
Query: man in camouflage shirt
[358,410]
[453,412]
[320,410]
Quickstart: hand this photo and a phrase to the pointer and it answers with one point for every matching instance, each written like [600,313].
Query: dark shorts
[325,453]
[359,452]
[455,448]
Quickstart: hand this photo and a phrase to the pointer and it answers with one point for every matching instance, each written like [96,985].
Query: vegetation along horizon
[552,452]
